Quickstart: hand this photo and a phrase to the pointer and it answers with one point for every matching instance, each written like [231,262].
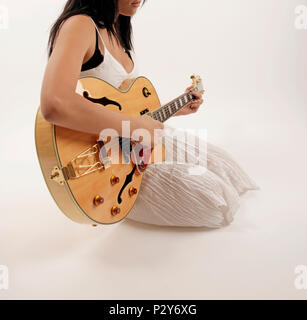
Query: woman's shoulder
[78,22]
[76,29]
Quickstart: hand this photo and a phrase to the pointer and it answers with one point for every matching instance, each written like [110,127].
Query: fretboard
[166,111]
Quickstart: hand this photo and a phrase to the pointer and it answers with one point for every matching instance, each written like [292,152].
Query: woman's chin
[129,13]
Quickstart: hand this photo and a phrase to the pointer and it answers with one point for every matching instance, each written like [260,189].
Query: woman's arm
[60,104]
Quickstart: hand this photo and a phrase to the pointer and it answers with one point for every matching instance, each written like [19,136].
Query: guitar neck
[168,110]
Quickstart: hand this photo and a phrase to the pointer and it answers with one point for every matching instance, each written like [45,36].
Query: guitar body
[106,194]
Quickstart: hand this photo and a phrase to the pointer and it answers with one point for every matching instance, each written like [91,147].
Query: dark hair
[104,13]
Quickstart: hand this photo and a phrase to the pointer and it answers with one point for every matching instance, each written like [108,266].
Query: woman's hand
[192,106]
[148,124]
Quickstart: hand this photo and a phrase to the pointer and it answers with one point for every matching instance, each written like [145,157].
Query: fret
[169,109]
[164,113]
[161,115]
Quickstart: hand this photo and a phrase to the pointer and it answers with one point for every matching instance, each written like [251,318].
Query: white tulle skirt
[202,192]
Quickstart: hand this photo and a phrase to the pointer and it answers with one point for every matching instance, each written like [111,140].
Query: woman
[93,38]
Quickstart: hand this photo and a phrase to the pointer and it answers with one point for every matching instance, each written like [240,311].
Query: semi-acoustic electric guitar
[77,167]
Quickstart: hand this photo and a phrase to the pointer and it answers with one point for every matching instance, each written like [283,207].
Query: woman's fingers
[198,101]
[196,94]
[190,87]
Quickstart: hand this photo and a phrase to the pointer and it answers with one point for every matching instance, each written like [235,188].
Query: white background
[253,63]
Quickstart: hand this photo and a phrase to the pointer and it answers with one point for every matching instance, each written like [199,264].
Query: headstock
[197,84]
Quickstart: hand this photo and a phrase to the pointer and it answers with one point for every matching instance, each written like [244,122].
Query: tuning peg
[196,79]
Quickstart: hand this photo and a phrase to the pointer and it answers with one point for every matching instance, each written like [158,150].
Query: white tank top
[110,70]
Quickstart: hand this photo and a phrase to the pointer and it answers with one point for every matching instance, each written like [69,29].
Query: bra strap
[97,47]
[97,30]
